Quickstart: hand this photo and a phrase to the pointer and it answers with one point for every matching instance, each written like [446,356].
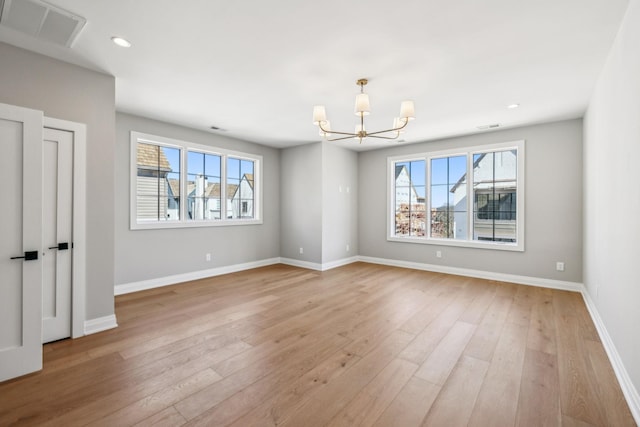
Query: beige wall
[68,92]
[612,198]
[553,205]
[157,253]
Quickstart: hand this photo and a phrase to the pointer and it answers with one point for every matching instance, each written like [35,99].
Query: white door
[57,209]
[20,241]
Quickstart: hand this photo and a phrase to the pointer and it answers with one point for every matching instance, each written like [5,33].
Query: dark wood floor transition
[358,345]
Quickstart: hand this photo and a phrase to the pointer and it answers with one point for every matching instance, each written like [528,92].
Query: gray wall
[68,92]
[339,203]
[149,254]
[612,194]
[301,209]
[553,200]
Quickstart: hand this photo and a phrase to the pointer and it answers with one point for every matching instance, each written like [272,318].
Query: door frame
[79,252]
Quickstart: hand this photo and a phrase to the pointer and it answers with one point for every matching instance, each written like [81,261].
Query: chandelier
[362,109]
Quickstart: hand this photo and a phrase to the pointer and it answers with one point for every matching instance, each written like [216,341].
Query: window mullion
[223,188]
[427,197]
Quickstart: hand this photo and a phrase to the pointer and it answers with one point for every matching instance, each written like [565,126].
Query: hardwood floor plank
[290,398]
[159,401]
[539,400]
[456,400]
[335,395]
[577,386]
[410,405]
[425,342]
[280,359]
[485,339]
[253,395]
[419,321]
[610,395]
[542,330]
[167,418]
[498,398]
[478,308]
[438,366]
[374,398]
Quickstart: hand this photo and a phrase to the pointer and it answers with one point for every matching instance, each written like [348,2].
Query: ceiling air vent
[492,126]
[42,20]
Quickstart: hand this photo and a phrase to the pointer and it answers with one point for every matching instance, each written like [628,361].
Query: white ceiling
[257,68]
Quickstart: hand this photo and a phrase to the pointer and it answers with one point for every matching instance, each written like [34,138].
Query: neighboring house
[494,198]
[154,197]
[204,199]
[242,199]
[410,207]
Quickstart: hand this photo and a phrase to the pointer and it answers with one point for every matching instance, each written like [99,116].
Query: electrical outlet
[560,266]
[208,257]
[301,250]
[347,247]
[438,254]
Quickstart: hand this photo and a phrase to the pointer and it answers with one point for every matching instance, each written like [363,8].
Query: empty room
[296,213]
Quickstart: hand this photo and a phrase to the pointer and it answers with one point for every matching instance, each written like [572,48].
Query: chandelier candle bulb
[407,110]
[319,114]
[362,105]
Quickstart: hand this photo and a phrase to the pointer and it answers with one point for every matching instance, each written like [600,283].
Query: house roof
[174,186]
[212,190]
[249,178]
[151,157]
[464,176]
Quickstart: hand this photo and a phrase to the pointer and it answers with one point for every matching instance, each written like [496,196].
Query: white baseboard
[339,263]
[480,274]
[100,324]
[319,267]
[142,285]
[630,392]
[302,264]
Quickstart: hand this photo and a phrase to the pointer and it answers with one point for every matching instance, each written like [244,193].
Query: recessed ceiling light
[512,106]
[120,41]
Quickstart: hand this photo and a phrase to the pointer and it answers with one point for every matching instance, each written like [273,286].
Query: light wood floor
[358,345]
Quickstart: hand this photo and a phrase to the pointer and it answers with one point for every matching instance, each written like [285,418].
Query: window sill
[193,224]
[498,246]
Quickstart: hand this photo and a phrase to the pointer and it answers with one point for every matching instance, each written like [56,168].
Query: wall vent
[42,20]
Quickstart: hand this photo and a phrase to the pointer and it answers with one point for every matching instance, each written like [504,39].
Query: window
[180,184]
[495,196]
[448,197]
[203,186]
[240,188]
[410,198]
[474,197]
[157,183]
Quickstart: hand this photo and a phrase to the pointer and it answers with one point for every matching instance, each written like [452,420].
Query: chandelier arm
[384,137]
[336,132]
[389,130]
[351,135]
[340,133]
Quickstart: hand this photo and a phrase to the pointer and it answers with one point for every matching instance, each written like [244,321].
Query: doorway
[65,142]
[22,246]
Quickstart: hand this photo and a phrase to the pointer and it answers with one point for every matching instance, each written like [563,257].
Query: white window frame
[519,245]
[184,222]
